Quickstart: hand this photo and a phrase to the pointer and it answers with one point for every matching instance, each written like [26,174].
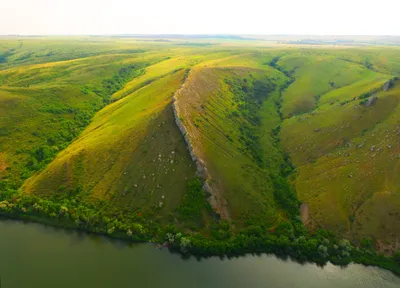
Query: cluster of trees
[194,202]
[250,94]
[112,85]
[76,214]
[289,239]
[67,213]
[300,245]
[67,128]
[285,195]
[4,55]
[58,108]
[364,97]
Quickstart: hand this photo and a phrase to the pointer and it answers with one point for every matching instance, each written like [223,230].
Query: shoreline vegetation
[304,249]
[128,138]
[289,240]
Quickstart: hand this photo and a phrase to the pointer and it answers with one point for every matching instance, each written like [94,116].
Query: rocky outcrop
[201,170]
[371,100]
[387,85]
[200,165]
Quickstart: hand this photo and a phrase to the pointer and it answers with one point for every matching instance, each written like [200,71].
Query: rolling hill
[224,143]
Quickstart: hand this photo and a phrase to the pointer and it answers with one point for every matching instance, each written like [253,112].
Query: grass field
[340,174]
[345,157]
[219,122]
[90,121]
[130,157]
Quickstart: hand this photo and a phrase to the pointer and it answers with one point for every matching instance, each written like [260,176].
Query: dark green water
[36,256]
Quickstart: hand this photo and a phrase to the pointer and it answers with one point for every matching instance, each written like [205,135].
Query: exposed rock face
[371,100]
[387,85]
[217,202]
[200,166]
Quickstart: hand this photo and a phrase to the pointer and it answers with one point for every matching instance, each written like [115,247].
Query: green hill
[228,115]
[131,157]
[45,106]
[345,157]
[240,147]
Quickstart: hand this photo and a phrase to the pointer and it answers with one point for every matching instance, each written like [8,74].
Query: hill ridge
[201,169]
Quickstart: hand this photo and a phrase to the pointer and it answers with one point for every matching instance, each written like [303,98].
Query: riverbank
[319,248]
[38,257]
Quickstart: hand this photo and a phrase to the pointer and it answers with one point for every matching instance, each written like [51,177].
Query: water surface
[36,256]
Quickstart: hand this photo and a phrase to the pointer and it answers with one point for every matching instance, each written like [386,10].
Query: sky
[320,17]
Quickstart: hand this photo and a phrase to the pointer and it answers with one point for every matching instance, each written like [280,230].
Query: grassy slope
[80,172]
[353,166]
[144,166]
[180,59]
[131,157]
[46,86]
[138,131]
[383,59]
[344,183]
[347,93]
[25,51]
[150,74]
[206,105]
[54,102]
[315,74]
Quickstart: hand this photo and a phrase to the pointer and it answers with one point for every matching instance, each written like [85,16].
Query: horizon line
[198,34]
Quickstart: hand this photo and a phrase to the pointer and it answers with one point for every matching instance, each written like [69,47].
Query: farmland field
[210,145]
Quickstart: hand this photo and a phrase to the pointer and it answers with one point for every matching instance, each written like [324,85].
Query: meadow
[219,141]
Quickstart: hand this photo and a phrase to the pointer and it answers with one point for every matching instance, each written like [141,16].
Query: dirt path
[3,164]
[304,213]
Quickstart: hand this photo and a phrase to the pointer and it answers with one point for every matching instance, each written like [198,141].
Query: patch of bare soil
[305,214]
[388,249]
[3,166]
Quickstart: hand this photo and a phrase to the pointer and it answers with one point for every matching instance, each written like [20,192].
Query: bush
[285,195]
[193,204]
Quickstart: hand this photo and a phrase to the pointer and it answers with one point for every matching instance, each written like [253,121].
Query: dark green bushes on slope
[250,94]
[112,85]
[193,204]
[69,127]
[4,56]
[72,212]
[285,195]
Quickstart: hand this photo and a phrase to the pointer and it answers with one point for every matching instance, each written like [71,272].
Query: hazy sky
[199,17]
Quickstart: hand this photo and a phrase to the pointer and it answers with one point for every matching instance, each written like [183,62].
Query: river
[36,256]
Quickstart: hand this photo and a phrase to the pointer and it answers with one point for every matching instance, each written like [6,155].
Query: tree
[396,258]
[323,251]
